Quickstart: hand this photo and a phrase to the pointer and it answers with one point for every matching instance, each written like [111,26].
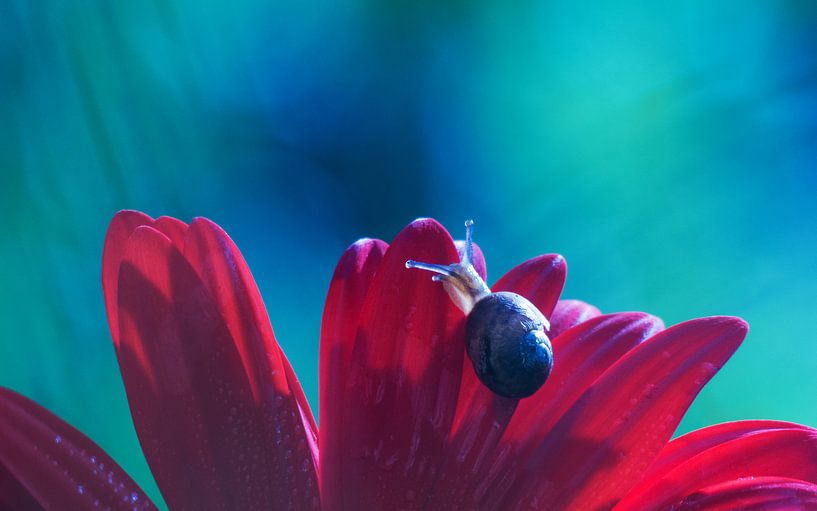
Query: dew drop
[80,489]
[57,439]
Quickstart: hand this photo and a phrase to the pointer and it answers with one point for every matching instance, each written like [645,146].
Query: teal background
[667,149]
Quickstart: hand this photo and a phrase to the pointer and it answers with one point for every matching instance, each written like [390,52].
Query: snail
[504,332]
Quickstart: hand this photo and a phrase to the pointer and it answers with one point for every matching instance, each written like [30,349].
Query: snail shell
[504,332]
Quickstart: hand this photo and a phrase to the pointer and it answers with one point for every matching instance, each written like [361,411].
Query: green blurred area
[668,150]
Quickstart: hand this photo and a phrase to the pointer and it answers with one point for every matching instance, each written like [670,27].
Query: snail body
[505,336]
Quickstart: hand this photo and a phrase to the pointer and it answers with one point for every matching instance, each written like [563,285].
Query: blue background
[668,151]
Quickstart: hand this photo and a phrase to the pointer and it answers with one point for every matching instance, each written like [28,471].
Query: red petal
[121,227]
[569,313]
[481,419]
[755,493]
[54,466]
[790,452]
[695,442]
[224,271]
[173,228]
[206,435]
[351,281]
[540,280]
[611,435]
[13,495]
[402,384]
[581,354]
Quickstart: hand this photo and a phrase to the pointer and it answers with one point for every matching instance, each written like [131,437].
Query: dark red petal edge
[622,421]
[584,352]
[347,290]
[751,494]
[540,280]
[695,442]
[569,313]
[401,387]
[790,452]
[53,466]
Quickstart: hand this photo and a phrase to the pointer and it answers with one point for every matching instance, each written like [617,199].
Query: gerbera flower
[405,423]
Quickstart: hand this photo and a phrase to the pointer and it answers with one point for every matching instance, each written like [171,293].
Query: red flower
[405,422]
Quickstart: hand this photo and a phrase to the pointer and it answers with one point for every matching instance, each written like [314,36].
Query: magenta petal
[401,388]
[582,354]
[696,442]
[569,313]
[751,494]
[788,452]
[206,435]
[480,421]
[13,495]
[352,278]
[540,280]
[47,464]
[222,268]
[173,228]
[482,416]
[121,227]
[614,431]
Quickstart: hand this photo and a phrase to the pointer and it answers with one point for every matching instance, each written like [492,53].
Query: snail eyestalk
[468,258]
[435,268]
[460,280]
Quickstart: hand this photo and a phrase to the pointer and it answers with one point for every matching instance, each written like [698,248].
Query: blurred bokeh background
[667,149]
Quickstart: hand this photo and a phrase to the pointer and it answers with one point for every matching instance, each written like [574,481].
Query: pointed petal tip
[558,260]
[729,325]
[641,318]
